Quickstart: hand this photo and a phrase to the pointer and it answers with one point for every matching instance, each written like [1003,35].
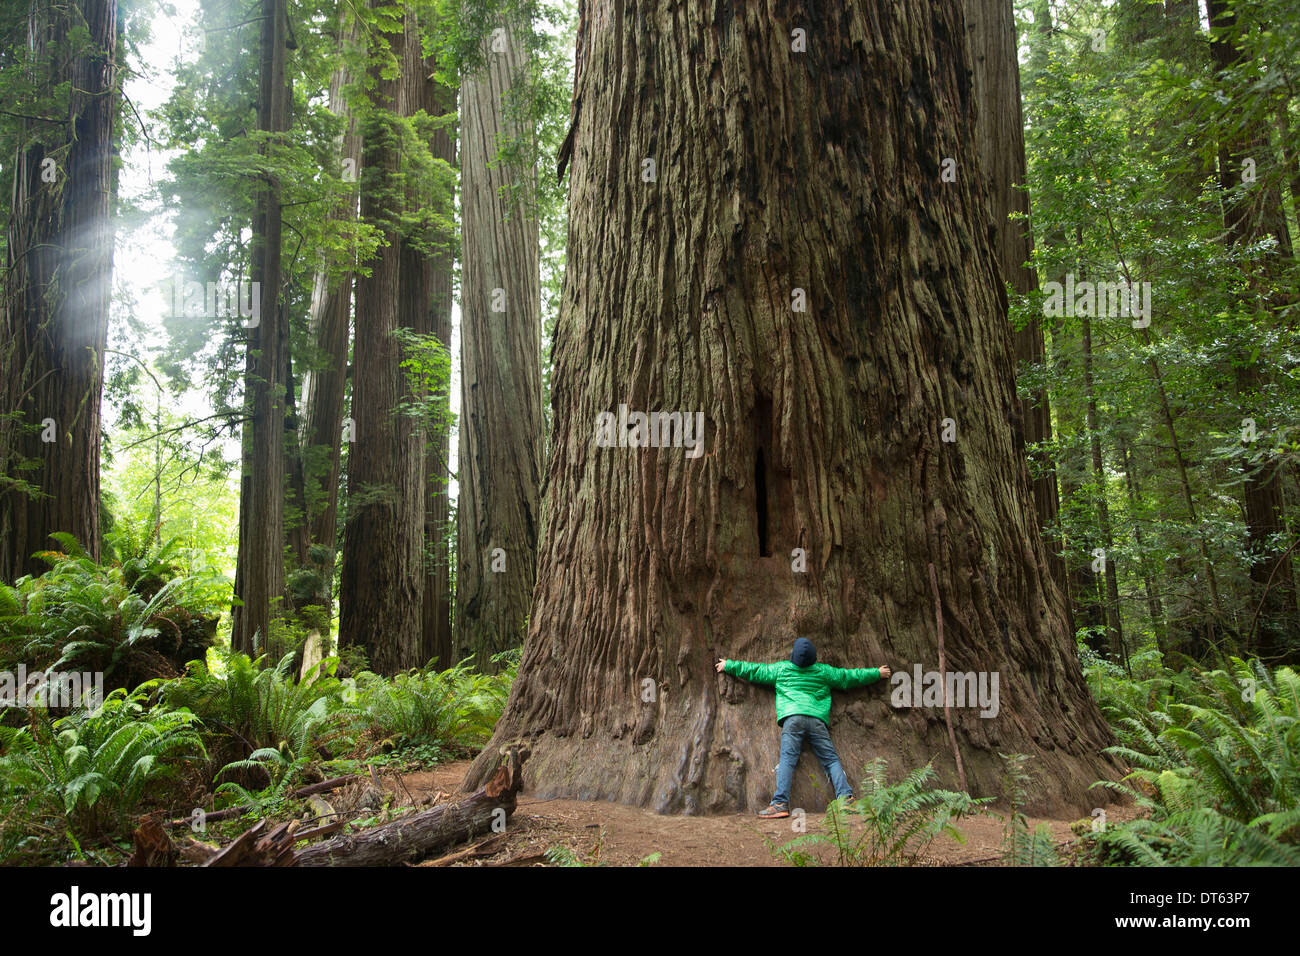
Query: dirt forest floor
[619,835]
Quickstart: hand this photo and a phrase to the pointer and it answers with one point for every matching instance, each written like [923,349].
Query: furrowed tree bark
[414,837]
[58,284]
[426,296]
[499,453]
[785,179]
[382,593]
[325,387]
[1000,134]
[259,577]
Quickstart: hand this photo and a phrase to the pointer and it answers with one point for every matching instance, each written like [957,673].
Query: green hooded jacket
[803,690]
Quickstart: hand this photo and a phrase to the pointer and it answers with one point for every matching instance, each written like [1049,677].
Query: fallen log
[414,837]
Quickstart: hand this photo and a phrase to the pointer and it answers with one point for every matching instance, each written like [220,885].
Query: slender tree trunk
[260,577]
[382,593]
[499,453]
[798,273]
[58,284]
[1154,608]
[1196,644]
[1114,627]
[1085,587]
[305,588]
[1271,570]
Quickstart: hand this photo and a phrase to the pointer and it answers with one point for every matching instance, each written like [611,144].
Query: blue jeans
[794,731]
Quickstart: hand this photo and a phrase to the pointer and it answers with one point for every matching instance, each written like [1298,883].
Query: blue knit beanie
[805,654]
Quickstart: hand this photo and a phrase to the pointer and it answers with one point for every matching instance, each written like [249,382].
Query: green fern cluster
[456,708]
[79,777]
[285,771]
[1216,758]
[886,824]
[256,730]
[120,620]
[249,707]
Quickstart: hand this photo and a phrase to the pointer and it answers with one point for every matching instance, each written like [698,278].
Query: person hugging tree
[803,711]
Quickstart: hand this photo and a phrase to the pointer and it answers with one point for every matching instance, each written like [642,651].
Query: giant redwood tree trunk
[499,453]
[785,177]
[58,283]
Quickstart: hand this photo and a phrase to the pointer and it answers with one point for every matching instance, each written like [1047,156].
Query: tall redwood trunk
[426,297]
[58,284]
[499,453]
[325,387]
[785,179]
[382,594]
[259,576]
[437,638]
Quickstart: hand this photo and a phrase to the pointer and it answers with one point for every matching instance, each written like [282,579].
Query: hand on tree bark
[719,665]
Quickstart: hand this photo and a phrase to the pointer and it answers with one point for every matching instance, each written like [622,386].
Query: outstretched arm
[847,678]
[748,670]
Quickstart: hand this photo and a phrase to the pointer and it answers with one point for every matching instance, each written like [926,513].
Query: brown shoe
[775,812]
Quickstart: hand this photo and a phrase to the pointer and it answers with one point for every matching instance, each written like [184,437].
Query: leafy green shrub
[1216,758]
[895,823]
[80,776]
